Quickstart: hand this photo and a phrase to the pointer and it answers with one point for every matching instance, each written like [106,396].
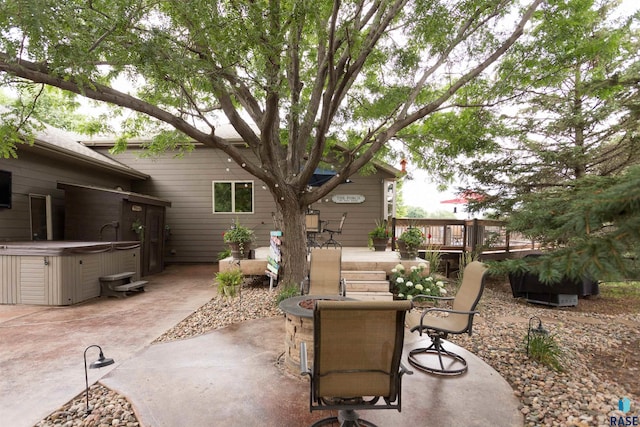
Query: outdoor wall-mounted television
[5,189]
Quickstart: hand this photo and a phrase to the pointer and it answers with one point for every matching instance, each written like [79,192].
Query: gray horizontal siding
[37,174]
[196,232]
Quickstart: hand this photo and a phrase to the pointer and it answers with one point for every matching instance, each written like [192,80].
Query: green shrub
[224,254]
[229,282]
[287,291]
[433,257]
[544,349]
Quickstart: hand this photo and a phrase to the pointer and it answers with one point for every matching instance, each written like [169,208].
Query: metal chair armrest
[434,297]
[443,310]
[304,367]
[304,286]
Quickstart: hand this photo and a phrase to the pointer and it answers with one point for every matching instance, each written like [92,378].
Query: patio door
[152,260]
[40,212]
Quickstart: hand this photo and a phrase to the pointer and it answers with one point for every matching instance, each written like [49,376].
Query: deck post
[474,236]
[393,234]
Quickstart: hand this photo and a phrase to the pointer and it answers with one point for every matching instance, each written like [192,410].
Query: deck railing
[473,235]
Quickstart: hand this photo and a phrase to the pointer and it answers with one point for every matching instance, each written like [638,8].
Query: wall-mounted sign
[136,208]
[347,198]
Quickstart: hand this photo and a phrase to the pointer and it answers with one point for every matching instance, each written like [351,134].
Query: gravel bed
[577,396]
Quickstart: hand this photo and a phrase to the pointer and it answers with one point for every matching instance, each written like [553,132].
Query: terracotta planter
[236,253]
[380,244]
[406,252]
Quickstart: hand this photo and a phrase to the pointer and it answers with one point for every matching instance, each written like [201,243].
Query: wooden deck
[365,259]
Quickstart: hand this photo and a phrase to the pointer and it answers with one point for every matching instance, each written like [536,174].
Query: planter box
[531,288]
[557,300]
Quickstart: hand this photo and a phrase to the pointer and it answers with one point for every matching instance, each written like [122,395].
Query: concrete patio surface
[230,376]
[41,347]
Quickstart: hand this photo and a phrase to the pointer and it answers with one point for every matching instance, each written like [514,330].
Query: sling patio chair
[331,241]
[313,228]
[357,349]
[325,272]
[456,320]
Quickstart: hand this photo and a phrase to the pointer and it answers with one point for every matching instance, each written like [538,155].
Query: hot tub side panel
[9,267]
[61,279]
[41,280]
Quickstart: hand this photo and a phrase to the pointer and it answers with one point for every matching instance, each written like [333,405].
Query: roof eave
[122,170]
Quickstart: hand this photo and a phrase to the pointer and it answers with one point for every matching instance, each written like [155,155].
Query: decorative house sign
[347,198]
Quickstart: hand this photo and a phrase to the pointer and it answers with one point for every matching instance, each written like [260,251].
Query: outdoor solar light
[101,362]
[537,330]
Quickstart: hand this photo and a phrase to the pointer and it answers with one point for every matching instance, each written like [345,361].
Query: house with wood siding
[196,230]
[59,163]
[37,204]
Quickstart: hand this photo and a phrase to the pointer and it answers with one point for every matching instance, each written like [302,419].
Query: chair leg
[437,349]
[332,241]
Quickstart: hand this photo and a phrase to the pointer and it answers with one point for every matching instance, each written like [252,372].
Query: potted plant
[409,243]
[379,236]
[239,239]
[229,282]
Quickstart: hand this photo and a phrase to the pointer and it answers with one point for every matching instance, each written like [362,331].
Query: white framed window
[232,196]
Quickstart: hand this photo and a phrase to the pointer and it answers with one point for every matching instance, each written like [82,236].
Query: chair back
[357,348]
[312,222]
[468,295]
[342,220]
[325,270]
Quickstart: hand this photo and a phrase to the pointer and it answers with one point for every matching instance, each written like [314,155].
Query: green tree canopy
[293,77]
[552,147]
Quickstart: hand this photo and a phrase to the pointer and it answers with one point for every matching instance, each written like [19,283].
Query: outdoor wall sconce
[100,363]
[537,330]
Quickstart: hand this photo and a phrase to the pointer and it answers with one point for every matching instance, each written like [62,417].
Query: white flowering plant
[412,281]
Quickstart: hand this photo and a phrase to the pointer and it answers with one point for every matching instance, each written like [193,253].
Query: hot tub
[61,273]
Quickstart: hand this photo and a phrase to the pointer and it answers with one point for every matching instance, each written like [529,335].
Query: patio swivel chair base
[346,418]
[436,348]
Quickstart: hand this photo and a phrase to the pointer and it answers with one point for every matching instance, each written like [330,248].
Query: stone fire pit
[299,326]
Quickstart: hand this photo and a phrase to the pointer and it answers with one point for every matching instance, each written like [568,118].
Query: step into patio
[120,285]
[367,285]
[364,275]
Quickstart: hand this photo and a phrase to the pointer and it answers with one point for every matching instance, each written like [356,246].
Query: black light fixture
[100,363]
[535,330]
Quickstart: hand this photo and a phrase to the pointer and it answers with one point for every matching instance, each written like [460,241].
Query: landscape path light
[100,363]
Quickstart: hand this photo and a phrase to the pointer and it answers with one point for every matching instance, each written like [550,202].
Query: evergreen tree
[551,149]
[572,103]
[592,225]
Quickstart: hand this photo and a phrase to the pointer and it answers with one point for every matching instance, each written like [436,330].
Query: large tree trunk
[290,218]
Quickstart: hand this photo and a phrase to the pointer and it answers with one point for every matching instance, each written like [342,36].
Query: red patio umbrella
[464,198]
